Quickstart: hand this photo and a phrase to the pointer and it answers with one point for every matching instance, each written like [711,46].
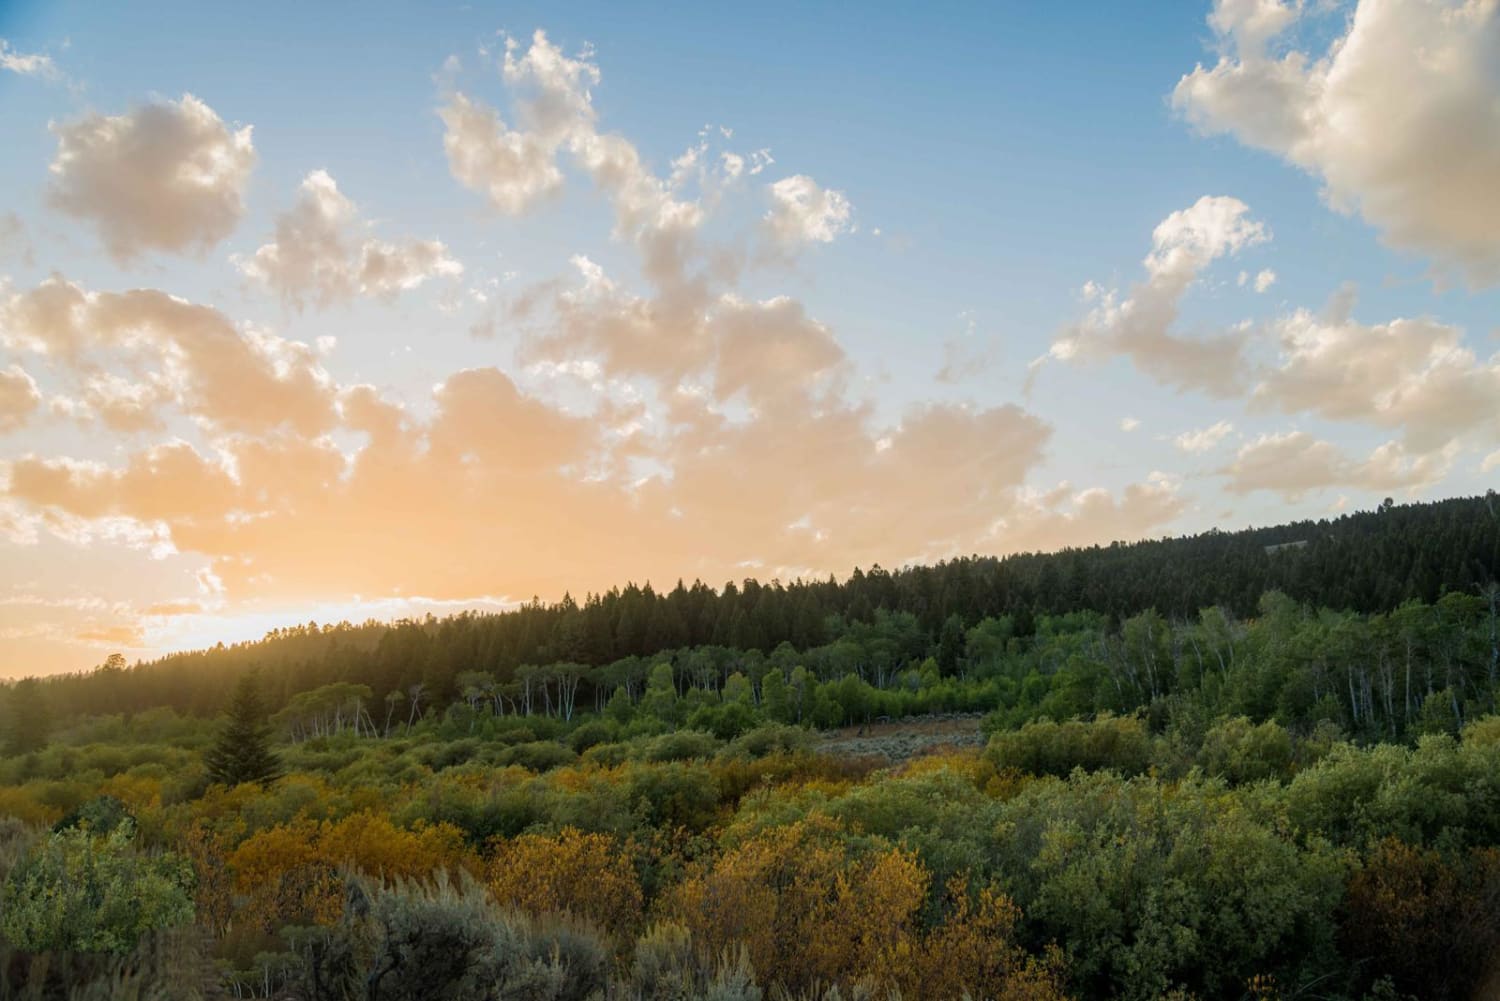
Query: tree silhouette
[243,752]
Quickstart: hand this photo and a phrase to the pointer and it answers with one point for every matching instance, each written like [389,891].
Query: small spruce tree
[243,752]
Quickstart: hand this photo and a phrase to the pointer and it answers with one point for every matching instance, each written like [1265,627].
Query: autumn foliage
[806,903]
[291,874]
[590,876]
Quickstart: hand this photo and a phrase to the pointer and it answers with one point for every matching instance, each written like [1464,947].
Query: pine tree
[243,752]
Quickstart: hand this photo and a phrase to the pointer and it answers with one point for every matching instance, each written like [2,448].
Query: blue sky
[994,163]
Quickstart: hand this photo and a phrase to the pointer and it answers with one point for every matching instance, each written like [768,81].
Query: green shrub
[672,795]
[514,734]
[592,734]
[1116,743]
[1238,752]
[80,892]
[447,755]
[607,755]
[683,745]
[539,756]
[770,738]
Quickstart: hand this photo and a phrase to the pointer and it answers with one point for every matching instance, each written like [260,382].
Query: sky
[324,312]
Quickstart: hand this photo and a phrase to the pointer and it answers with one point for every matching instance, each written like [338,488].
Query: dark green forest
[1259,764]
[876,623]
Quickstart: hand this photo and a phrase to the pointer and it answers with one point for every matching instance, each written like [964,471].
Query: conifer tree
[243,752]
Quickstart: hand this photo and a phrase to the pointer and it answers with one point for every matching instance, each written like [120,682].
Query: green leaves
[1154,886]
[82,892]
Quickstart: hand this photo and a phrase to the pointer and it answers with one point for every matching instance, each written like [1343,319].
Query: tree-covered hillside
[873,623]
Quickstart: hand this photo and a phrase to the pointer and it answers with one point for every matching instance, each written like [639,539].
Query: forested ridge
[1366,562]
[1249,765]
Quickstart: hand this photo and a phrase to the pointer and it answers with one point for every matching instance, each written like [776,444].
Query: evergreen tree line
[878,623]
[1420,669]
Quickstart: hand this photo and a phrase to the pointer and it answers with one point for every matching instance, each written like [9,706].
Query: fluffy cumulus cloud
[1203,439]
[1296,463]
[167,482]
[130,351]
[770,350]
[118,403]
[322,254]
[1139,324]
[19,397]
[167,176]
[517,166]
[512,169]
[1415,376]
[803,212]
[1399,116]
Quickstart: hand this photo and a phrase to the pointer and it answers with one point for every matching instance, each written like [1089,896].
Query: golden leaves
[586,875]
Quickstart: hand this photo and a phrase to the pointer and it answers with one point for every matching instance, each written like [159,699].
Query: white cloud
[1129,424]
[320,255]
[1491,462]
[27,63]
[514,170]
[1295,463]
[1139,326]
[1203,439]
[226,378]
[1411,375]
[1414,376]
[517,167]
[1399,117]
[803,212]
[19,397]
[122,405]
[771,350]
[166,176]
[1053,519]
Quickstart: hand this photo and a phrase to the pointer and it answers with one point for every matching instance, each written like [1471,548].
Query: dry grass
[902,740]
